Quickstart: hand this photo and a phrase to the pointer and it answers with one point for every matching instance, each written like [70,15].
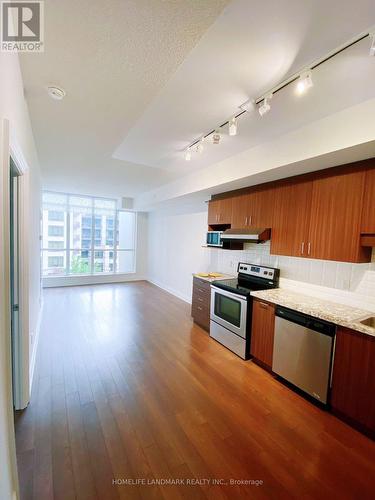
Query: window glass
[80,262]
[86,235]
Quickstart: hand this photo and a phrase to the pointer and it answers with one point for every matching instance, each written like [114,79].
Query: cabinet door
[368,213]
[262,332]
[240,211]
[225,211]
[336,208]
[291,218]
[353,381]
[213,212]
[261,208]
[220,211]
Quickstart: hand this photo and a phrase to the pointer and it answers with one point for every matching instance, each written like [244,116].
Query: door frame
[12,150]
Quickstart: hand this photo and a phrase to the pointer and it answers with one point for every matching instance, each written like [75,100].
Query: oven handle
[228,294]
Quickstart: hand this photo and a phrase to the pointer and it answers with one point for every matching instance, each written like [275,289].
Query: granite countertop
[210,279]
[339,314]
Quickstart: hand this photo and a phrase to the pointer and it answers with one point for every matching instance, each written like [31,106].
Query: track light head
[372,47]
[188,154]
[265,107]
[304,82]
[232,126]
[199,148]
[216,136]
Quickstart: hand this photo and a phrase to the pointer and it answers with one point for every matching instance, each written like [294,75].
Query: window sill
[91,279]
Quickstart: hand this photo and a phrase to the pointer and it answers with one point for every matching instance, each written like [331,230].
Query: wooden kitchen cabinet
[240,211]
[368,212]
[200,304]
[220,212]
[353,380]
[253,209]
[335,220]
[291,220]
[262,332]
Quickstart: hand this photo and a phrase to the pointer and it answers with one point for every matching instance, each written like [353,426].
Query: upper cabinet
[291,221]
[220,212]
[368,212]
[336,207]
[253,209]
[319,215]
[241,211]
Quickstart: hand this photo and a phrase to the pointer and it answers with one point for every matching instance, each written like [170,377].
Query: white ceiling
[112,57]
[144,78]
[251,47]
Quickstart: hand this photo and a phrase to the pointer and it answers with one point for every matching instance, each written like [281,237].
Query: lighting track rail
[262,102]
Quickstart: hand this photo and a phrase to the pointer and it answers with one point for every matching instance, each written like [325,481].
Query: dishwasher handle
[318,325]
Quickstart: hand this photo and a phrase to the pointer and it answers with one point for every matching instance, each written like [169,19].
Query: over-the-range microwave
[213,239]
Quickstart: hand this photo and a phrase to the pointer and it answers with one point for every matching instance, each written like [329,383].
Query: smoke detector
[56,93]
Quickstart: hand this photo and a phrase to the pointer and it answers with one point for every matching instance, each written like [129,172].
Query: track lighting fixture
[200,147]
[301,82]
[265,107]
[247,105]
[232,126]
[304,82]
[372,48]
[216,137]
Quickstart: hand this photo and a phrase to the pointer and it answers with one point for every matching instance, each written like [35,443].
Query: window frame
[93,247]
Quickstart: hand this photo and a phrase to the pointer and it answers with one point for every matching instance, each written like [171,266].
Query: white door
[14,287]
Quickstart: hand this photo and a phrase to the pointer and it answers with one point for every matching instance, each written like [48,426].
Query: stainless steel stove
[231,305]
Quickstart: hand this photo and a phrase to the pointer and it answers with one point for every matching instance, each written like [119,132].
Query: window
[55,230]
[53,245]
[90,236]
[56,215]
[55,261]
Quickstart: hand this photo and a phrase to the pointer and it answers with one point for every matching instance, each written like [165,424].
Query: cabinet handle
[246,221]
[200,290]
[200,300]
[309,248]
[250,220]
[199,308]
[302,247]
[263,305]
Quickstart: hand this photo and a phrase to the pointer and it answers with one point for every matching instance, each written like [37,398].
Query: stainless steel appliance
[302,352]
[253,234]
[213,239]
[231,306]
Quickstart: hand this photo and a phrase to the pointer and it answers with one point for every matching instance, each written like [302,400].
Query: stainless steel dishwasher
[302,351]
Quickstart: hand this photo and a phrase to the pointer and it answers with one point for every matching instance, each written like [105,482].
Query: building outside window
[86,235]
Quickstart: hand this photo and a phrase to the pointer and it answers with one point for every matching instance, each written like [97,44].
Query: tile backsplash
[355,278]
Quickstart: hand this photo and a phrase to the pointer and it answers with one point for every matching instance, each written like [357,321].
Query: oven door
[229,310]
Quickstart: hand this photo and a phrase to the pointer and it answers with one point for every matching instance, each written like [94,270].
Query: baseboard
[56,282]
[170,290]
[35,347]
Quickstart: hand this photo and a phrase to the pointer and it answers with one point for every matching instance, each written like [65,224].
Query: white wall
[175,250]
[13,107]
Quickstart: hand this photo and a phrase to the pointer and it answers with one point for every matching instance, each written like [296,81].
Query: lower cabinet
[353,380]
[200,304]
[262,331]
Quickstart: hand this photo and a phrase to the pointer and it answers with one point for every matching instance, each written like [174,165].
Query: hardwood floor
[127,388]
